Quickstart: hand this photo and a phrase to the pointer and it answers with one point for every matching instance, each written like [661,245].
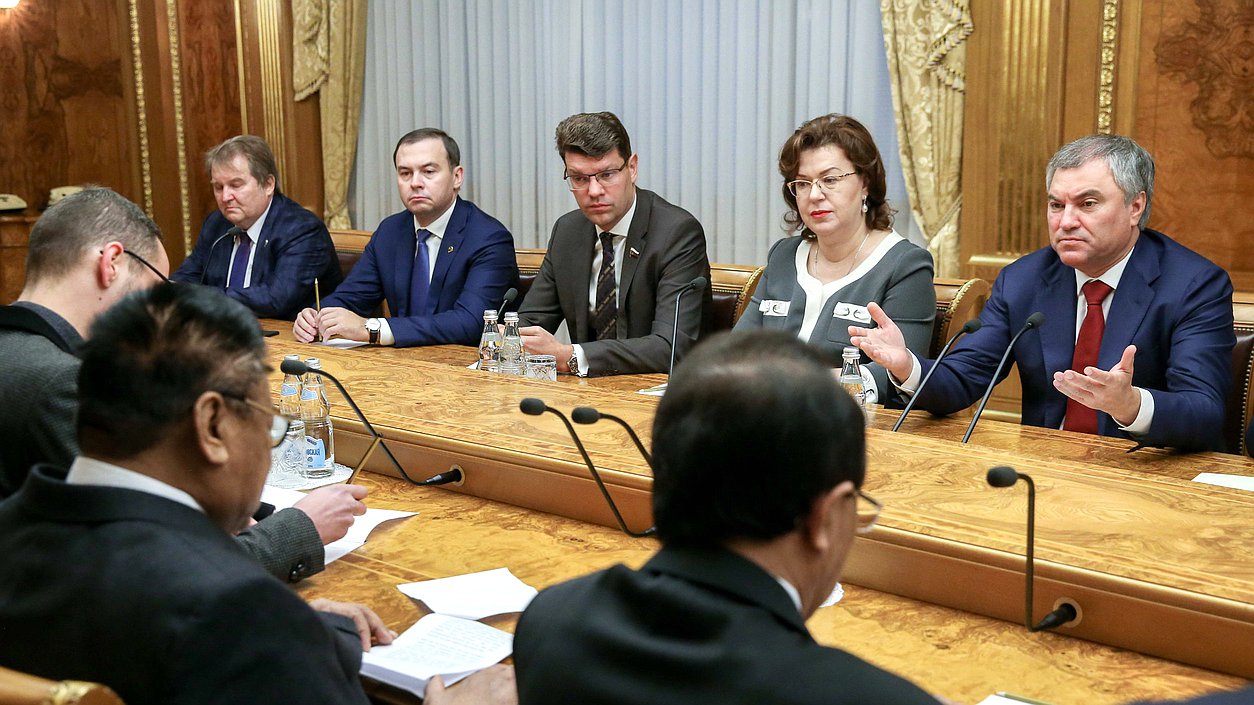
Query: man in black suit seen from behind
[615,266]
[85,254]
[260,247]
[755,518]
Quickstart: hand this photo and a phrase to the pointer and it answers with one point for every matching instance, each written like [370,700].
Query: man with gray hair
[1137,332]
[260,247]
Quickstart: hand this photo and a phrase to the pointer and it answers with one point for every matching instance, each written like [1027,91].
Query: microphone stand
[970,326]
[1033,321]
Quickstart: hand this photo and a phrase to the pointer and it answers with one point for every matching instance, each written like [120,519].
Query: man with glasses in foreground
[615,266]
[85,254]
[758,457]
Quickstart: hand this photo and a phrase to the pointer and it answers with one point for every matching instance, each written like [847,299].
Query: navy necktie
[418,284]
[239,264]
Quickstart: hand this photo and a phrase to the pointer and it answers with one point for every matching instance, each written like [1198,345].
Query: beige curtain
[925,41]
[329,58]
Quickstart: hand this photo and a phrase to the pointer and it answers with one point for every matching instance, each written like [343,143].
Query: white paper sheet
[473,596]
[357,533]
[656,391]
[436,645]
[1236,482]
[342,343]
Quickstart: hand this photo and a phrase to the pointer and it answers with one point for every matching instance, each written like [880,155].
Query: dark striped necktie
[605,314]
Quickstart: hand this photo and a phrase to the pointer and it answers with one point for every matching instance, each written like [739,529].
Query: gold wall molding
[239,69]
[141,107]
[1106,81]
[176,79]
[273,88]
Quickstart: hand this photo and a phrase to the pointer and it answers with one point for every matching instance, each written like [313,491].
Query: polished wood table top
[948,652]
[1141,549]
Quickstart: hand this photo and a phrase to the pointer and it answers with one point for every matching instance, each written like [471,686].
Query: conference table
[934,593]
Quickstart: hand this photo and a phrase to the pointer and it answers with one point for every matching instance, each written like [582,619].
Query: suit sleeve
[684,260]
[303,254]
[1189,412]
[286,544]
[910,300]
[752,317]
[493,267]
[541,306]
[968,369]
[1249,439]
[264,646]
[362,290]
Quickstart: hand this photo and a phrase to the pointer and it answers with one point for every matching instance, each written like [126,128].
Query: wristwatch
[572,365]
[372,328]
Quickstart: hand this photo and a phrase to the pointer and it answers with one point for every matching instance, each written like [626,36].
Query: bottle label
[287,390]
[315,453]
[308,394]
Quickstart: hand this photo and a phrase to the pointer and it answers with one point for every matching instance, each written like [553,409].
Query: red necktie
[1087,345]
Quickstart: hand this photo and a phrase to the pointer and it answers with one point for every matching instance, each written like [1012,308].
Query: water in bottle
[512,362]
[490,343]
[315,411]
[851,378]
[290,455]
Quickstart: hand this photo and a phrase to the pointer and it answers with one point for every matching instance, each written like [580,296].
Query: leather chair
[349,245]
[21,689]
[1237,409]
[957,301]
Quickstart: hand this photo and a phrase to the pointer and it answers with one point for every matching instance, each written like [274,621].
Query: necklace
[852,263]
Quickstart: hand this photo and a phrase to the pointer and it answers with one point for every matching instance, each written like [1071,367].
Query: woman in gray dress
[847,255]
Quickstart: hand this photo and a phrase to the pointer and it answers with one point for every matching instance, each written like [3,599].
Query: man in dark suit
[1137,334]
[439,264]
[718,614]
[614,267]
[260,246]
[126,563]
[85,254]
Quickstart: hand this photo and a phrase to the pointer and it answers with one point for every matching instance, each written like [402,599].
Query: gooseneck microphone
[535,407]
[588,415]
[697,283]
[506,301]
[1003,476]
[970,326]
[204,272]
[1034,321]
[298,368]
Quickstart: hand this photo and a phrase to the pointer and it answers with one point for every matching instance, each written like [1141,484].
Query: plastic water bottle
[490,343]
[315,411]
[851,378]
[290,455]
[512,362]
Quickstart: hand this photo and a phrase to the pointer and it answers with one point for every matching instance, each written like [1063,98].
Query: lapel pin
[634,253]
[450,249]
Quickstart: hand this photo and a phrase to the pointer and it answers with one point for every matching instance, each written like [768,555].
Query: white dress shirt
[89,471]
[619,233]
[437,228]
[254,233]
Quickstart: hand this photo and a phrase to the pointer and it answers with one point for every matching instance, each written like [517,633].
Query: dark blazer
[40,392]
[147,596]
[900,282]
[1245,696]
[1172,303]
[671,247]
[294,249]
[40,389]
[475,267]
[1249,439]
[691,626]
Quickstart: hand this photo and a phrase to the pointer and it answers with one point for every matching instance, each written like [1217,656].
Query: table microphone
[535,407]
[1034,321]
[509,298]
[697,283]
[298,368]
[229,233]
[588,415]
[1004,476]
[970,326]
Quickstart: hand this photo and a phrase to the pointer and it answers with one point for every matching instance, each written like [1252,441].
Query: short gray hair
[1130,164]
[81,224]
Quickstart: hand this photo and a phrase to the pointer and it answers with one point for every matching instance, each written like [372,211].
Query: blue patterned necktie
[239,264]
[422,275]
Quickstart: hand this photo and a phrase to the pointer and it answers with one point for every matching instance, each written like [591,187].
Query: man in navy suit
[439,264]
[261,247]
[1157,369]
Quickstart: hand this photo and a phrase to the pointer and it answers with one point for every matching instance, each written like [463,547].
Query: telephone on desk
[9,202]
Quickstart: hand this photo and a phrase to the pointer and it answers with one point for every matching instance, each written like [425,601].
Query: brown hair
[255,151]
[856,142]
[593,135]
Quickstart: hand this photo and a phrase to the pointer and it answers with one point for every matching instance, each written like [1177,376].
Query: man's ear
[109,266]
[210,417]
[827,512]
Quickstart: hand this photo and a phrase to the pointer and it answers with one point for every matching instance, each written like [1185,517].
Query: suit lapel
[450,248]
[261,258]
[584,242]
[404,268]
[1130,303]
[1056,298]
[635,241]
